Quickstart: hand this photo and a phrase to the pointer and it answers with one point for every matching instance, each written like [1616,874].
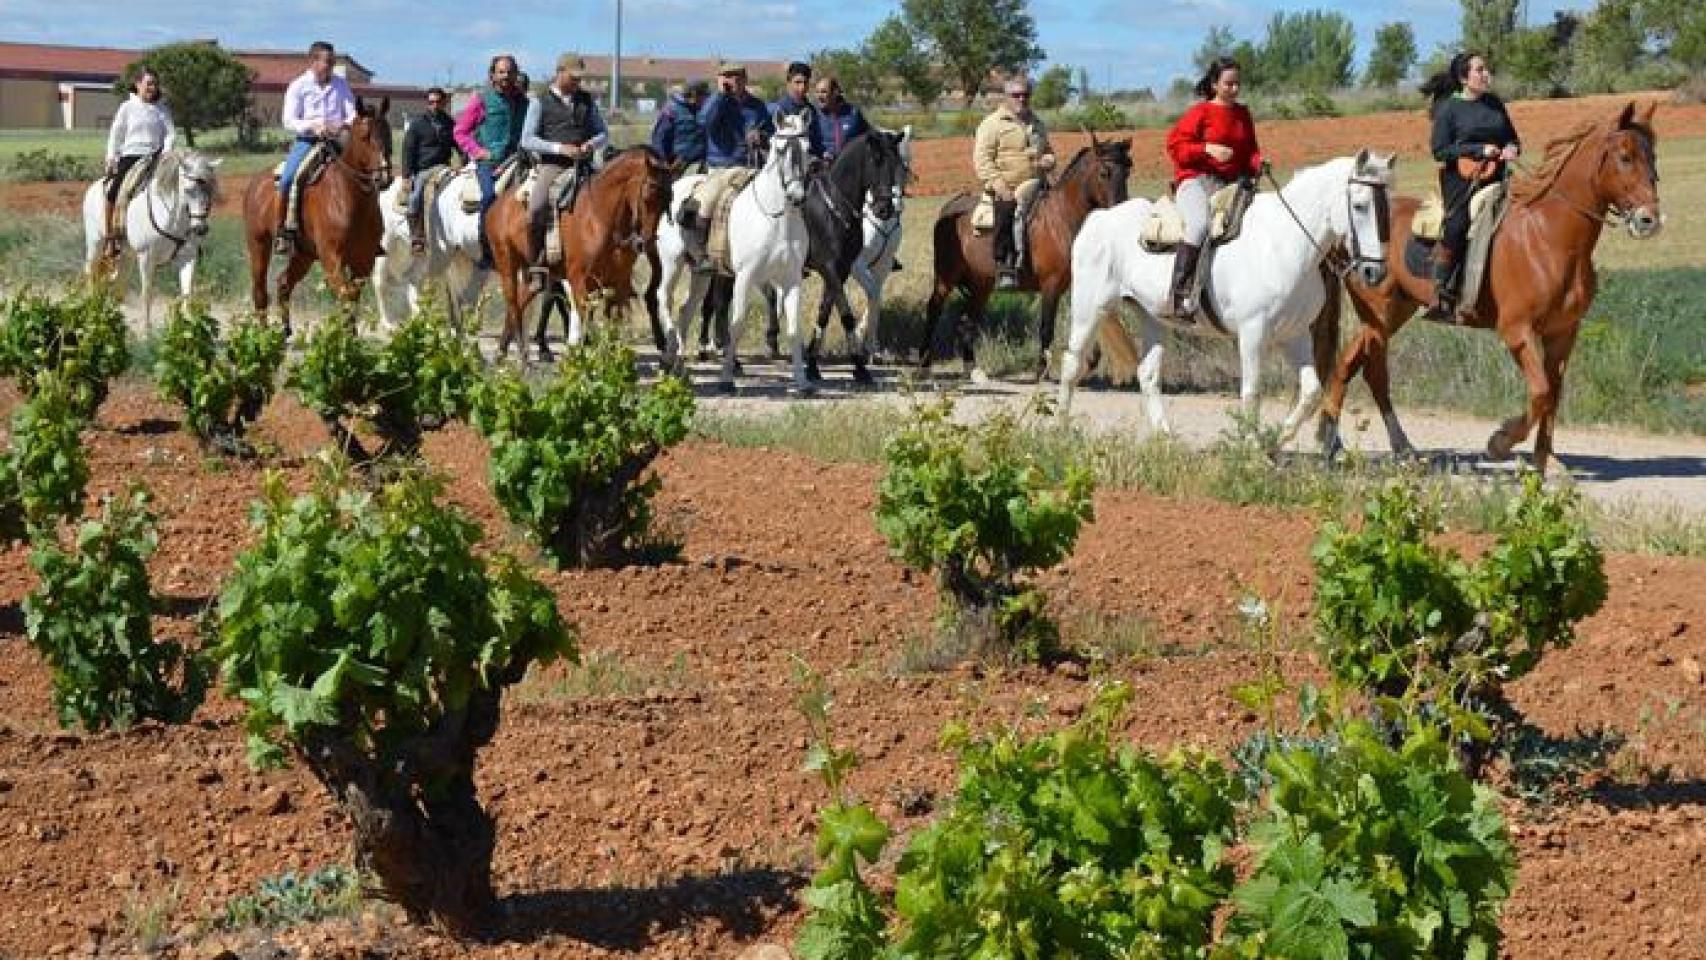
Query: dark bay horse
[614,219]
[1540,275]
[341,225]
[1095,179]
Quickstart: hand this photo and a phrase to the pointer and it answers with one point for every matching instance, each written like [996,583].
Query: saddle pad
[1165,227]
[719,191]
[1429,221]
[470,190]
[983,215]
[309,162]
[134,180]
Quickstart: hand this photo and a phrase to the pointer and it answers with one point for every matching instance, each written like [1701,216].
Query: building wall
[93,109]
[29,104]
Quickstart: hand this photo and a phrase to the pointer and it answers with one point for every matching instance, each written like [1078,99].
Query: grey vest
[561,122]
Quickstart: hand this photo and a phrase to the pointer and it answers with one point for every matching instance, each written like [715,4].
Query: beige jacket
[1007,149]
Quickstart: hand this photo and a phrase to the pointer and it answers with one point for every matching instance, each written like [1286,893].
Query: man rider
[1011,149]
[563,130]
[837,120]
[318,105]
[677,136]
[794,102]
[489,133]
[429,142]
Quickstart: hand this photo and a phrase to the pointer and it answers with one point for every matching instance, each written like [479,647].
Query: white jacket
[140,128]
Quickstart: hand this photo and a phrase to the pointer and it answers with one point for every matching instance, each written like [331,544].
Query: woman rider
[142,127]
[1213,144]
[1473,139]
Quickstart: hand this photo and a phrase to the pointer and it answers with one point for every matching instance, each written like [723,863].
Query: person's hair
[142,74]
[318,47]
[492,67]
[798,69]
[833,81]
[1211,76]
[1444,85]
[698,88]
[435,92]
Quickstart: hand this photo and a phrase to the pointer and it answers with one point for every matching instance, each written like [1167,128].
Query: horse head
[1368,214]
[872,172]
[1626,179]
[788,158]
[1113,170]
[367,143]
[198,184]
[655,193]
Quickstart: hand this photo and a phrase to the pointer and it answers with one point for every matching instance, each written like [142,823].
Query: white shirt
[308,103]
[140,128]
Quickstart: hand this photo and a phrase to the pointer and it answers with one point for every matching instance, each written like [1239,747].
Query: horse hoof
[813,373]
[1499,447]
[978,377]
[863,376]
[803,390]
[727,388]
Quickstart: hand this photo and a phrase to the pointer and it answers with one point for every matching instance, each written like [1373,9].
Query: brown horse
[613,221]
[1540,275]
[1095,179]
[341,225]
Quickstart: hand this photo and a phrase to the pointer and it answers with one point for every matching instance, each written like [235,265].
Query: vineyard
[372,652]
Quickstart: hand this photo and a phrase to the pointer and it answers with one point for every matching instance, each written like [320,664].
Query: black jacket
[1463,127]
[429,142]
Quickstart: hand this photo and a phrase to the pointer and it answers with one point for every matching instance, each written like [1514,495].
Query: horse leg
[1086,318]
[384,292]
[1558,350]
[850,327]
[1378,375]
[1527,354]
[824,305]
[970,321]
[1047,308]
[741,289]
[186,272]
[872,284]
[1149,376]
[292,275]
[1333,403]
[791,313]
[145,278]
[698,292]
[259,248]
[773,326]
[932,319]
[511,332]
[1300,350]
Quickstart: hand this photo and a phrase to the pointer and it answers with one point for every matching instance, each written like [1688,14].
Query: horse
[1095,179]
[341,224]
[767,248]
[881,253]
[1263,286]
[165,222]
[1540,276]
[452,252]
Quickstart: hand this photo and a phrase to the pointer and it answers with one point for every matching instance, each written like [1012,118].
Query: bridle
[198,218]
[791,170]
[370,180]
[1612,216]
[1343,265]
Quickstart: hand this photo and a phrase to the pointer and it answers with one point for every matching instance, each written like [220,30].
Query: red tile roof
[274,69]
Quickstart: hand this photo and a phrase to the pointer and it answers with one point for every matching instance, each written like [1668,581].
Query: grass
[1236,469]
[602,675]
[287,900]
[148,916]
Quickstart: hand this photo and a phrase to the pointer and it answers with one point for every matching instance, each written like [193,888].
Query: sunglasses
[1020,96]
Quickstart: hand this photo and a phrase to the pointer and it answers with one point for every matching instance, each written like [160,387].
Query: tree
[1607,45]
[1488,27]
[1394,55]
[859,79]
[1312,49]
[1679,26]
[894,52]
[204,86]
[1084,90]
[972,38]
[1541,55]
[1053,88]
[1218,43]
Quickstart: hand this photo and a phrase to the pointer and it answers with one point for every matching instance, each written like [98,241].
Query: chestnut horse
[340,222]
[1540,276]
[1094,180]
[614,220]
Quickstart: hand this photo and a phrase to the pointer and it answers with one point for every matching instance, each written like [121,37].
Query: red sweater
[1209,122]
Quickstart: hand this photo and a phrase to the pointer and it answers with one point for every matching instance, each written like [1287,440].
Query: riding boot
[1444,306]
[111,243]
[417,233]
[537,272]
[1184,278]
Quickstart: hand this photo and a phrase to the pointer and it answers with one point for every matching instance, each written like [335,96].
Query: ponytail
[1445,84]
[1219,65]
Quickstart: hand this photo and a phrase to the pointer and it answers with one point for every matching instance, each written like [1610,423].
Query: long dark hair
[1444,85]
[1219,65]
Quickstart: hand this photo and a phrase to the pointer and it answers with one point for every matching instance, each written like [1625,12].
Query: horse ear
[1644,115]
[906,133]
[385,105]
[1362,159]
[1628,115]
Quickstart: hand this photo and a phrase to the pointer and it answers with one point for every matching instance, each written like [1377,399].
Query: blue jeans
[485,171]
[298,152]
[417,189]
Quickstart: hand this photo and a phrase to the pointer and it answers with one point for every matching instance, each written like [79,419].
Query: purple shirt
[307,103]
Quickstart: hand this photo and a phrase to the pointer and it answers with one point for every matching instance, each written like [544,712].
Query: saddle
[135,180]
[506,174]
[1165,228]
[715,197]
[983,215]
[313,165]
[1486,212]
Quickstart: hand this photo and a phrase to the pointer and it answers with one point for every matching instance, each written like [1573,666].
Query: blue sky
[1123,43]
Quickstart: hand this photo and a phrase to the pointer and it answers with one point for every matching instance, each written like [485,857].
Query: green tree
[972,38]
[859,79]
[1607,46]
[1394,55]
[204,86]
[1679,27]
[1218,43]
[1312,49]
[893,52]
[1053,88]
[1488,27]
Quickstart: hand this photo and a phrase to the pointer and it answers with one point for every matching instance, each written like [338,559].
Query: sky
[1122,43]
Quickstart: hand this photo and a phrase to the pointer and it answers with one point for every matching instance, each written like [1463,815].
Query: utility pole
[616,62]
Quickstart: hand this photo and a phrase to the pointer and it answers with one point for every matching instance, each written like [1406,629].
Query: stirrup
[417,243]
[284,244]
[1007,279]
[538,278]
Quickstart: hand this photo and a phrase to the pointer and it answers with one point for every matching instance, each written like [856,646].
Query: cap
[730,68]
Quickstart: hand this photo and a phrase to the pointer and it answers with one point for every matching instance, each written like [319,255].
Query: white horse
[165,222]
[1265,285]
[767,248]
[452,250]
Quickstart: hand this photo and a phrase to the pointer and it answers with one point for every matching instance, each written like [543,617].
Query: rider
[794,103]
[837,120]
[428,143]
[737,126]
[564,131]
[489,133]
[1011,149]
[318,105]
[1473,139]
[677,136]
[1213,144]
[142,129]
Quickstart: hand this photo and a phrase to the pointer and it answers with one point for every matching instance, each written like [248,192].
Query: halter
[1342,267]
[789,150]
[148,204]
[1613,216]
[369,181]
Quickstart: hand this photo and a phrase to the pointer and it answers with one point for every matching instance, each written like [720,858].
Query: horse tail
[1325,329]
[1119,351]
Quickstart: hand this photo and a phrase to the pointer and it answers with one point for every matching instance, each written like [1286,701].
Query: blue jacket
[787,106]
[835,129]
[677,135]
[726,121]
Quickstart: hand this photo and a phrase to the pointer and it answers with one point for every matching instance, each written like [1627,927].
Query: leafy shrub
[567,461]
[977,507]
[81,337]
[43,475]
[1400,615]
[1096,115]
[90,620]
[221,386]
[421,377]
[287,900]
[1314,103]
[51,166]
[363,632]
[1374,851]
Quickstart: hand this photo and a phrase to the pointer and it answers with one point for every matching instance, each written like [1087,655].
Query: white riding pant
[1192,198]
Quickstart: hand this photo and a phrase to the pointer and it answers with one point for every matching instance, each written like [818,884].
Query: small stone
[208,777]
[764,951]
[1691,671]
[1072,670]
[275,802]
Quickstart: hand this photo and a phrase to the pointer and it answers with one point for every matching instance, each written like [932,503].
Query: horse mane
[1558,153]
